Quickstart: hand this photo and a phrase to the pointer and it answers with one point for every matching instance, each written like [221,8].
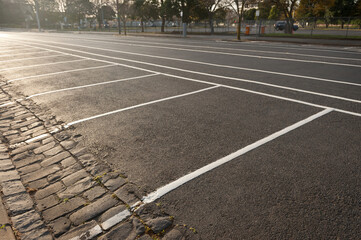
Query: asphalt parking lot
[239,140]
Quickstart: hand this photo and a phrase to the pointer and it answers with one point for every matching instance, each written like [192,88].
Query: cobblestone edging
[55,189]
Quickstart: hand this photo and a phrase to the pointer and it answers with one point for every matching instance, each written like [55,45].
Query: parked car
[281,25]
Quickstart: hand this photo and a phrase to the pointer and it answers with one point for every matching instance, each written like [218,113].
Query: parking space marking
[27,53]
[12,50]
[61,72]
[131,43]
[31,58]
[201,81]
[140,105]
[179,182]
[217,76]
[202,63]
[43,64]
[90,85]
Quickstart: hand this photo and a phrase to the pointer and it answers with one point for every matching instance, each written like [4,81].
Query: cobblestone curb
[55,189]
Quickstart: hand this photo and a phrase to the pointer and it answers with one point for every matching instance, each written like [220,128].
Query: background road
[158,109]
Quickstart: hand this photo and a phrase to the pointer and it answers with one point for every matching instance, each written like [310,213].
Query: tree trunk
[239,28]
[211,23]
[125,26]
[142,24]
[163,24]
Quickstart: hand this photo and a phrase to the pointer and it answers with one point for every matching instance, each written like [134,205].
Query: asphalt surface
[304,184]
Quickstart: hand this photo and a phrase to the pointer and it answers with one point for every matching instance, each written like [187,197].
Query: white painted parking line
[22,54]
[189,177]
[31,58]
[61,72]
[90,85]
[139,105]
[198,62]
[42,65]
[187,48]
[218,76]
[201,81]
[12,50]
[121,216]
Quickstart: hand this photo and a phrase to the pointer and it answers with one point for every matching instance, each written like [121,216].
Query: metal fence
[336,27]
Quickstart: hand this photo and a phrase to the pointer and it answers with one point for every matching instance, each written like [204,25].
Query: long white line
[27,53]
[31,58]
[202,63]
[219,76]
[179,182]
[11,50]
[186,48]
[211,83]
[90,85]
[139,105]
[61,72]
[245,55]
[41,65]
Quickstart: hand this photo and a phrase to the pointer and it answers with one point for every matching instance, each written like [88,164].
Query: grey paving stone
[113,184]
[77,188]
[40,173]
[12,187]
[81,231]
[67,162]
[64,173]
[9,175]
[35,124]
[47,202]
[129,194]
[54,151]
[159,224]
[4,219]
[29,168]
[37,234]
[63,208]
[23,123]
[19,140]
[123,231]
[39,184]
[93,210]
[4,155]
[12,137]
[25,148]
[11,132]
[44,148]
[96,169]
[145,237]
[60,226]
[174,234]
[19,203]
[47,140]
[34,130]
[21,156]
[27,221]
[53,188]
[68,144]
[77,151]
[94,193]
[28,159]
[74,177]
[87,160]
[111,212]
[6,165]
[149,211]
[55,159]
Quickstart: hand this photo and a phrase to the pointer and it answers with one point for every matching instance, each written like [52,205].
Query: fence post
[348,23]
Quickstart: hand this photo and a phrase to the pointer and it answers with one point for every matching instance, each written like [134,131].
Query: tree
[250,14]
[210,7]
[343,9]
[274,14]
[145,10]
[264,9]
[76,10]
[105,13]
[287,7]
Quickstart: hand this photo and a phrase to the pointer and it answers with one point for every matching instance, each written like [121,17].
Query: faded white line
[17,54]
[90,85]
[224,77]
[32,58]
[140,105]
[187,49]
[189,177]
[195,62]
[61,72]
[117,218]
[89,234]
[12,50]
[41,65]
[211,83]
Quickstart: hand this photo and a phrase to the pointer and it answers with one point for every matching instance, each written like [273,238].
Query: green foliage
[250,14]
[76,10]
[274,13]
